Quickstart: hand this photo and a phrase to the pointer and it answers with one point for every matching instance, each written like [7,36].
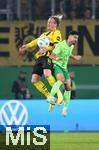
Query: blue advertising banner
[83,115]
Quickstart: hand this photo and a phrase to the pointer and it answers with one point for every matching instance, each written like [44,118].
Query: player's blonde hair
[57,19]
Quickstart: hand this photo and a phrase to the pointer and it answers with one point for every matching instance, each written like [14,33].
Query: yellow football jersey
[54,37]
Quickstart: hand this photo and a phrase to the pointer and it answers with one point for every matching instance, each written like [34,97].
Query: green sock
[55,87]
[66,98]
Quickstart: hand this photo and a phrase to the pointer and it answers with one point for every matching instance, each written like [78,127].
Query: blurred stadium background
[24,20]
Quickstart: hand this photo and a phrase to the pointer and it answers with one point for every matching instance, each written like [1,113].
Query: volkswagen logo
[13,113]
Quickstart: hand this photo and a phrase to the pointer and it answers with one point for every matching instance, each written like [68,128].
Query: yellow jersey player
[43,64]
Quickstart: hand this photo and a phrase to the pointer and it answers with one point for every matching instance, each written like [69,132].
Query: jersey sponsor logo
[58,38]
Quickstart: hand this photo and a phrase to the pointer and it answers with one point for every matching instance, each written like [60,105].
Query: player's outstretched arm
[76,57]
[24,47]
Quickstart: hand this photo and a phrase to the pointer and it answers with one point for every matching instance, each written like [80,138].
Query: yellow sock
[60,97]
[51,80]
[42,88]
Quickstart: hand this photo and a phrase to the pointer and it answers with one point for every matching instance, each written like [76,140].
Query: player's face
[73,39]
[51,24]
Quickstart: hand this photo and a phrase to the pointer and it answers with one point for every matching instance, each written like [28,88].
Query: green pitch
[75,141]
[62,141]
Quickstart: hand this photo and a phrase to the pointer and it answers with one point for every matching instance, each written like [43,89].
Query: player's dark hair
[73,32]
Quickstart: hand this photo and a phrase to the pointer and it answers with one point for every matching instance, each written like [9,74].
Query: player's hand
[22,50]
[78,57]
[57,59]
[42,50]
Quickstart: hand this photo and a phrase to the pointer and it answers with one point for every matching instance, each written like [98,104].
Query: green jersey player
[60,57]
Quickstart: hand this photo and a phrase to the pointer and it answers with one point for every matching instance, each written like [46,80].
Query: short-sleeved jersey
[54,38]
[64,51]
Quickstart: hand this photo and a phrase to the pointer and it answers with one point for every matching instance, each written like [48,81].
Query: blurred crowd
[76,9]
[35,9]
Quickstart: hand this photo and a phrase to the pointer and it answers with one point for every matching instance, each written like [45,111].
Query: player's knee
[34,80]
[46,75]
[61,79]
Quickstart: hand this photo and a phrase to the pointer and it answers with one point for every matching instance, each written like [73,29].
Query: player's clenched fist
[22,50]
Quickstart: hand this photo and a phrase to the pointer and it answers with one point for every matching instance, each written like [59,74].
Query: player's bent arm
[32,44]
[54,57]
[42,50]
[24,47]
[75,57]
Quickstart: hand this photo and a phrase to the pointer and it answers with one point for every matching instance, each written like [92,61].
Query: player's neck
[68,43]
[52,30]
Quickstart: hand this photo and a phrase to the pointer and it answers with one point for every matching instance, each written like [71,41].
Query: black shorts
[42,63]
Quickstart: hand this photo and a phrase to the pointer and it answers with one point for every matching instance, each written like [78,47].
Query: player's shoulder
[57,35]
[58,44]
[61,42]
